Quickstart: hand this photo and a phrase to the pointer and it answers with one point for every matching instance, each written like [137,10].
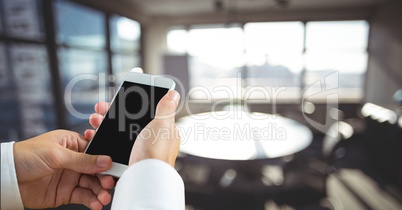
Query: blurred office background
[354,47]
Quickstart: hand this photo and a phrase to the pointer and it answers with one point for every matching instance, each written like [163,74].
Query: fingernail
[174,95]
[103,161]
[137,69]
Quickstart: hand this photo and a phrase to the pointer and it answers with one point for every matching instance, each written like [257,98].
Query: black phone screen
[133,108]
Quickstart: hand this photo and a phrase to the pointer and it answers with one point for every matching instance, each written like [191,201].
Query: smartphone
[131,109]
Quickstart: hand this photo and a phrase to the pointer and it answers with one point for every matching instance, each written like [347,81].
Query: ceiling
[177,8]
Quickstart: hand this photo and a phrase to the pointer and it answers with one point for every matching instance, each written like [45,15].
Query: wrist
[149,155]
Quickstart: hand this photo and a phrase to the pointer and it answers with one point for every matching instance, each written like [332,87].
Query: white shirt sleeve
[149,185]
[10,193]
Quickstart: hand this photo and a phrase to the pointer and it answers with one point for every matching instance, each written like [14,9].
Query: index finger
[102,107]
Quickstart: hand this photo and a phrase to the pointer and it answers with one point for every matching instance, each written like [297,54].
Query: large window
[222,63]
[23,19]
[276,60]
[81,36]
[26,102]
[79,26]
[338,47]
[36,68]
[84,52]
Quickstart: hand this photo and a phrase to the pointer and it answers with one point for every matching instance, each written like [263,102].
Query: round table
[241,135]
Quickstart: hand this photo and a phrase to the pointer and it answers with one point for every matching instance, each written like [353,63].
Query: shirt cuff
[10,193]
[149,185]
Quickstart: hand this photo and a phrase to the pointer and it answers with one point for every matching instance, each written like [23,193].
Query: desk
[241,135]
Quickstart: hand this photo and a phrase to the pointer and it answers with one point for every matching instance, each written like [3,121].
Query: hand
[158,140]
[51,172]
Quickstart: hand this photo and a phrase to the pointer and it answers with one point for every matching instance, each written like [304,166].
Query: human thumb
[166,107]
[85,163]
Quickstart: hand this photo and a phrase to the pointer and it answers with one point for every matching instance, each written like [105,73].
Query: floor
[346,181]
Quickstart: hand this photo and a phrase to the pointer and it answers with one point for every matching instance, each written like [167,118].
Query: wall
[155,46]
[384,75]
